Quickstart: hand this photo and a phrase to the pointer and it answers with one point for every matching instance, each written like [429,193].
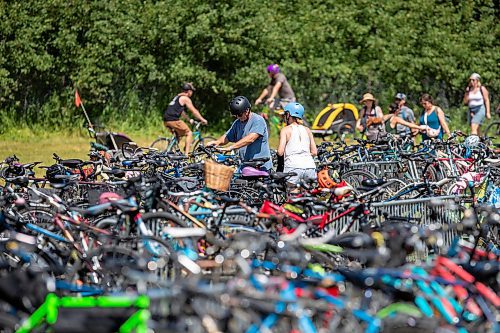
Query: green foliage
[128,58]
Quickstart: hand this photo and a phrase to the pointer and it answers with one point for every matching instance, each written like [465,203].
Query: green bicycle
[171,144]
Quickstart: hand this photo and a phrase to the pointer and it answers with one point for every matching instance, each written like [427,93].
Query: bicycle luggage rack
[413,209]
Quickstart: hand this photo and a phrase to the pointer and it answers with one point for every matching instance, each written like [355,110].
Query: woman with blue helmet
[297,145]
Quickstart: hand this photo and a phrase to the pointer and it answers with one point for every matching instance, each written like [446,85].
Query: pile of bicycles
[392,237]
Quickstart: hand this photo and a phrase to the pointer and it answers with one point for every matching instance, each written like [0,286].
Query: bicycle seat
[282,175]
[302,200]
[119,173]
[176,157]
[353,240]
[258,159]
[229,200]
[130,162]
[249,171]
[483,271]
[72,163]
[158,163]
[373,182]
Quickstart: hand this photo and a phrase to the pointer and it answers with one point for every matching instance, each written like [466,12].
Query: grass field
[30,147]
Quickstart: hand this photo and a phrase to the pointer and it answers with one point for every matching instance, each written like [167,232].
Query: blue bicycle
[171,144]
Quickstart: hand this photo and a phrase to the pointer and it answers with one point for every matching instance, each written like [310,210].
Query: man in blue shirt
[248,133]
[405,113]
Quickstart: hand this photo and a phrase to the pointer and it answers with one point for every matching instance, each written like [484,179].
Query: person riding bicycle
[176,108]
[248,133]
[405,113]
[371,119]
[297,145]
[278,86]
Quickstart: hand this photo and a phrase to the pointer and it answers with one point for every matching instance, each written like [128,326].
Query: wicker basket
[217,176]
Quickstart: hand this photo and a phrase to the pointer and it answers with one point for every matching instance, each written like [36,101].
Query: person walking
[175,110]
[297,145]
[405,113]
[433,118]
[477,98]
[371,119]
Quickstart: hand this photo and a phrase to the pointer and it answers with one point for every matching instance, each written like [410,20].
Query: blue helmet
[295,109]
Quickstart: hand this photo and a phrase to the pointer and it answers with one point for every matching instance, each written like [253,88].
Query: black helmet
[56,170]
[188,86]
[239,104]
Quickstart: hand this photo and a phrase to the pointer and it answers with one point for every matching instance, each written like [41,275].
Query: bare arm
[189,104]
[358,122]
[401,121]
[283,141]
[466,96]
[313,148]
[486,96]
[276,88]
[442,121]
[219,142]
[245,141]
[263,94]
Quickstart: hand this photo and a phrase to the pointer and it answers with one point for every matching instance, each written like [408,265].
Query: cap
[400,96]
[475,76]
[188,86]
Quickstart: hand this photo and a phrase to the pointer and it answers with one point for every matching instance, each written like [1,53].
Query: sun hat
[367,97]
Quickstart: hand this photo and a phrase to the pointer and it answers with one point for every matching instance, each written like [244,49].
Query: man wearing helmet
[171,117]
[278,86]
[297,145]
[248,133]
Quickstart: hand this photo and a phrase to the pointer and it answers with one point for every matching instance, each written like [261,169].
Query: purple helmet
[273,69]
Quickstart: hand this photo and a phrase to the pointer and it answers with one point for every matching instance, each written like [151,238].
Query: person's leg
[477,120]
[189,142]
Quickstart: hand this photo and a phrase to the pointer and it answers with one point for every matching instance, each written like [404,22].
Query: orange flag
[78,101]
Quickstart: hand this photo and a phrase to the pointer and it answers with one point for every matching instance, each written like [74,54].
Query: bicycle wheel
[355,177]
[493,130]
[162,144]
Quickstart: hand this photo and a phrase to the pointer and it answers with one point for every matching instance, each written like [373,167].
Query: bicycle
[493,129]
[171,144]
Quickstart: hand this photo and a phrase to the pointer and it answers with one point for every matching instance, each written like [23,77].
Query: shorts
[178,126]
[302,174]
[476,114]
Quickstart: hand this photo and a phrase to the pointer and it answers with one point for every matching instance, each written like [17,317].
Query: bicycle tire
[493,130]
[162,144]
[356,176]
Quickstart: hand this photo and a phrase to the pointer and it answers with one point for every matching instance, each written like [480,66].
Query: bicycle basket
[217,176]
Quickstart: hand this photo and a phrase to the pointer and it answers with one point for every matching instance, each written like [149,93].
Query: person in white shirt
[477,98]
[297,145]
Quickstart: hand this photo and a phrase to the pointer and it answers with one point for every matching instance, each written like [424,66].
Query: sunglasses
[240,115]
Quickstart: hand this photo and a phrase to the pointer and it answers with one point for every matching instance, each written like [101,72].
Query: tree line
[128,58]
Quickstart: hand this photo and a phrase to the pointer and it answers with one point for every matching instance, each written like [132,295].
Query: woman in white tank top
[477,99]
[297,145]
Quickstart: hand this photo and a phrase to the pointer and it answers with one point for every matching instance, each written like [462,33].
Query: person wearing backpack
[477,98]
[433,118]
[371,119]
